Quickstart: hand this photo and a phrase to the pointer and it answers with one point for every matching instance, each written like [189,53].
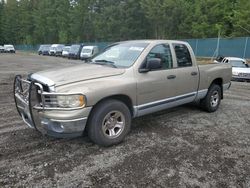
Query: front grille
[50,101]
[45,100]
[244,75]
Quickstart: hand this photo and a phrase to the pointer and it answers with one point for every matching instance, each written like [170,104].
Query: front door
[154,87]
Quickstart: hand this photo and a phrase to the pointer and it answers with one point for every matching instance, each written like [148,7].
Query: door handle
[171,77]
[194,73]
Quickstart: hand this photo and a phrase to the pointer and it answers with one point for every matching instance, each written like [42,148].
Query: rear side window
[182,55]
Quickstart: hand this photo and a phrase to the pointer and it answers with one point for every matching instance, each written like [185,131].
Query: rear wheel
[213,98]
[109,123]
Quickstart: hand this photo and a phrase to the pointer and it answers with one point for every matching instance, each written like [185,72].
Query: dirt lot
[181,147]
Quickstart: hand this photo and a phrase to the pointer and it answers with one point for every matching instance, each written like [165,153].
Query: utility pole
[245,48]
[218,43]
[216,53]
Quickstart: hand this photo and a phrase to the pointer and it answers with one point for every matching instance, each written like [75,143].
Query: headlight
[235,73]
[71,101]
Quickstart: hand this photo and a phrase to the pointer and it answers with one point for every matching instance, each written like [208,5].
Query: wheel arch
[120,97]
[219,82]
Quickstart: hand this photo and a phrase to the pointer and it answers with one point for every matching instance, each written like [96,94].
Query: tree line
[70,21]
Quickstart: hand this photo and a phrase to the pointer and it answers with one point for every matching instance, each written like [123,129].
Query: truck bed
[214,70]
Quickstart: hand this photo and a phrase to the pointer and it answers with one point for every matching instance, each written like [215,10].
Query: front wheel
[213,98]
[109,123]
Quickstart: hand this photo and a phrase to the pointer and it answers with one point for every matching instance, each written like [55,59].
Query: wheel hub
[214,99]
[113,124]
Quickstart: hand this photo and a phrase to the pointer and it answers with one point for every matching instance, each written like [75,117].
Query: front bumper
[73,56]
[239,78]
[10,51]
[45,53]
[58,53]
[55,122]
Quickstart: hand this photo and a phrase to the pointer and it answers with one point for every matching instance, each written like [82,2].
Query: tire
[213,98]
[109,123]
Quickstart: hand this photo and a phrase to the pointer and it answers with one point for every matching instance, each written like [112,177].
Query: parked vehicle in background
[59,50]
[129,79]
[89,52]
[75,51]
[65,52]
[46,49]
[52,50]
[1,49]
[240,68]
[9,48]
[42,48]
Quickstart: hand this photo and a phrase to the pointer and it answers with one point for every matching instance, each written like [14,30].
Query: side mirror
[151,64]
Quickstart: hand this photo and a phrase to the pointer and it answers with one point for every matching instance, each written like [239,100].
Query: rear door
[185,73]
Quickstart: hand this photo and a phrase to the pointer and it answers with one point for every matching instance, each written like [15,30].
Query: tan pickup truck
[128,79]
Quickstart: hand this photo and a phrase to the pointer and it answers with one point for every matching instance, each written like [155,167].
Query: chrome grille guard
[48,101]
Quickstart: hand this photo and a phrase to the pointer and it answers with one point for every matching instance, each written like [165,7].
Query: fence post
[196,47]
[245,49]
[218,46]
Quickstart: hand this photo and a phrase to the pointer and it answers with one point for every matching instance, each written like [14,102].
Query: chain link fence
[210,47]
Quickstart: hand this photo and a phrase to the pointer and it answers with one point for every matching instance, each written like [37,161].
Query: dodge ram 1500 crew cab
[128,79]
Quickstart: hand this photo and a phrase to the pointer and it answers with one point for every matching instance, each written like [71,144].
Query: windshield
[86,50]
[9,46]
[240,64]
[46,48]
[122,55]
[59,48]
[66,49]
[53,48]
[74,48]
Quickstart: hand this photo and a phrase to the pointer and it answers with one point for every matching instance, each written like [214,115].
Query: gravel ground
[181,147]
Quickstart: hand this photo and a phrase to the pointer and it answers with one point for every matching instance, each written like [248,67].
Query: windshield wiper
[105,62]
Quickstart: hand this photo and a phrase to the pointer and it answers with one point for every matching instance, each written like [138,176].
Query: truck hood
[79,73]
[241,70]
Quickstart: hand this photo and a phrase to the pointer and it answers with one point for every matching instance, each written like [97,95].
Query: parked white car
[9,48]
[240,68]
[89,52]
[65,52]
[52,50]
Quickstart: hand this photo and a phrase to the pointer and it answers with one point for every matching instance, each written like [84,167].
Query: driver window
[162,52]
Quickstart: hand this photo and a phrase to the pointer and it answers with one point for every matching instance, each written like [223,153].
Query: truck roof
[155,41]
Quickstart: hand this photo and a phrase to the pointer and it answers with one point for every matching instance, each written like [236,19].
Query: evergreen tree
[77,21]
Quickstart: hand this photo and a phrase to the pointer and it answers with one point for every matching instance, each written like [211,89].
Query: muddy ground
[181,147]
